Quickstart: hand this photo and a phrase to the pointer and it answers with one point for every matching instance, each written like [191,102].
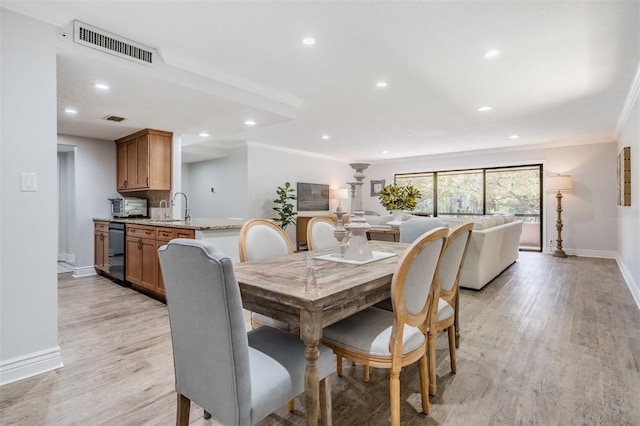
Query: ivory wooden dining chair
[394,339]
[238,377]
[264,239]
[320,233]
[451,264]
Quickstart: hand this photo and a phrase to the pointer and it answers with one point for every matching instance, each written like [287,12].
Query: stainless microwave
[128,207]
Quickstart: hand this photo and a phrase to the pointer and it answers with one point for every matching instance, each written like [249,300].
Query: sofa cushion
[499,218]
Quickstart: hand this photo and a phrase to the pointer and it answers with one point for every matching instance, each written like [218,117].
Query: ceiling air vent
[114,118]
[102,40]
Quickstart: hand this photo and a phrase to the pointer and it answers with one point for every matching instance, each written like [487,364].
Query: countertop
[203,224]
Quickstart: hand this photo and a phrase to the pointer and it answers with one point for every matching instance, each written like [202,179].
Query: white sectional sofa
[494,246]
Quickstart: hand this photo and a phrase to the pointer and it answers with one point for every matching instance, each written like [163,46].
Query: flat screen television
[312,196]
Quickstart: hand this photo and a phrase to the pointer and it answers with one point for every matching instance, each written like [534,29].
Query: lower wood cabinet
[142,262]
[101,246]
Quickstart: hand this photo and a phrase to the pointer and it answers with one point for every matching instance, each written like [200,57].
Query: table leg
[311,333]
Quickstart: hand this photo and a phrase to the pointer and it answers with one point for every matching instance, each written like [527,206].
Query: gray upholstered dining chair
[238,377]
[264,239]
[447,309]
[320,233]
[394,339]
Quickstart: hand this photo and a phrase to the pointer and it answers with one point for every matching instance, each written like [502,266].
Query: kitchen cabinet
[142,262]
[101,246]
[144,161]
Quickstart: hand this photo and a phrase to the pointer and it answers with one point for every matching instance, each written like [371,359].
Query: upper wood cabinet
[144,161]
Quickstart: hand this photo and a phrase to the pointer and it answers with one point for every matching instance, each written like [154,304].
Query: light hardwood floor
[549,342]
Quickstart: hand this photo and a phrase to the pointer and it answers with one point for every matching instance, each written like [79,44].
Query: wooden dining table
[311,294]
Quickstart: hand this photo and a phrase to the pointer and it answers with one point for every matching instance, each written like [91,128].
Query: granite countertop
[202,224]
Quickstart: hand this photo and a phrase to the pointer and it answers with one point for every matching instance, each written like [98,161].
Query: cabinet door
[132,165]
[159,162]
[122,167]
[160,282]
[142,159]
[101,250]
[133,260]
[141,262]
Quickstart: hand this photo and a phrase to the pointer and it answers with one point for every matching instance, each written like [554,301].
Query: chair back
[412,285]
[453,259]
[320,233]
[411,229]
[263,239]
[208,333]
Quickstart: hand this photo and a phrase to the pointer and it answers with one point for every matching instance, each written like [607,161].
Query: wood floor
[549,342]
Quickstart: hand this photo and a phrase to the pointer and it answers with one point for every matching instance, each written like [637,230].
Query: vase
[397,215]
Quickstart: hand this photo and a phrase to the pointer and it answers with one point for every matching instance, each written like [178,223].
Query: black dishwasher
[117,245]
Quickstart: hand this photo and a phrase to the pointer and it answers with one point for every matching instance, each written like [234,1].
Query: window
[477,192]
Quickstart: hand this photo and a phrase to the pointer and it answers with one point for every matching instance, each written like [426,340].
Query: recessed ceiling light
[250,123]
[70,111]
[514,137]
[491,53]
[484,108]
[309,41]
[325,137]
[385,152]
[101,86]
[204,134]
[382,84]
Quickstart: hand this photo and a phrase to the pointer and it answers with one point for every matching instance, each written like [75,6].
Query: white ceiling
[562,77]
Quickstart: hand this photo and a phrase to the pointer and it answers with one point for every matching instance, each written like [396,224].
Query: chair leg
[291,405]
[182,415]
[325,401]
[338,365]
[424,383]
[394,396]
[431,343]
[366,373]
[452,348]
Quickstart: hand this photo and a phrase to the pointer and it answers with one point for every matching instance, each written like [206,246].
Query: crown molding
[629,102]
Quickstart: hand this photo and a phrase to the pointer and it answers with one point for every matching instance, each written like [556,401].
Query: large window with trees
[478,192]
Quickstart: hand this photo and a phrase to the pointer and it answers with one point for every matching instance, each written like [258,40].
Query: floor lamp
[559,183]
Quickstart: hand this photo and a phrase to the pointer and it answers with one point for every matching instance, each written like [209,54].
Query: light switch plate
[28,182]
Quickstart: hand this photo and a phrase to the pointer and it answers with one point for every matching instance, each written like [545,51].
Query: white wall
[229,177]
[66,207]
[95,183]
[269,168]
[629,217]
[28,220]
[589,226]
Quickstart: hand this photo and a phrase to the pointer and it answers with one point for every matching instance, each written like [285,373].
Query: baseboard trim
[85,271]
[602,254]
[628,278]
[30,365]
[67,257]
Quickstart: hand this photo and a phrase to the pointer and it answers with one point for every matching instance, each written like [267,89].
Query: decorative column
[358,248]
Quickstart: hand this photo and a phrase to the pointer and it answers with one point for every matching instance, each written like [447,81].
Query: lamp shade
[339,194]
[559,183]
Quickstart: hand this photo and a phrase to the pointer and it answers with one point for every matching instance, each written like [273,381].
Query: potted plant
[284,206]
[397,199]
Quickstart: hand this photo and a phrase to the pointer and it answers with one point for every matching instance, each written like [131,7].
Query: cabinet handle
[147,181]
[139,244]
[147,232]
[125,183]
[101,237]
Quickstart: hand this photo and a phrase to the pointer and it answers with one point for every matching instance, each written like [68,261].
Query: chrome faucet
[187,217]
[164,212]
